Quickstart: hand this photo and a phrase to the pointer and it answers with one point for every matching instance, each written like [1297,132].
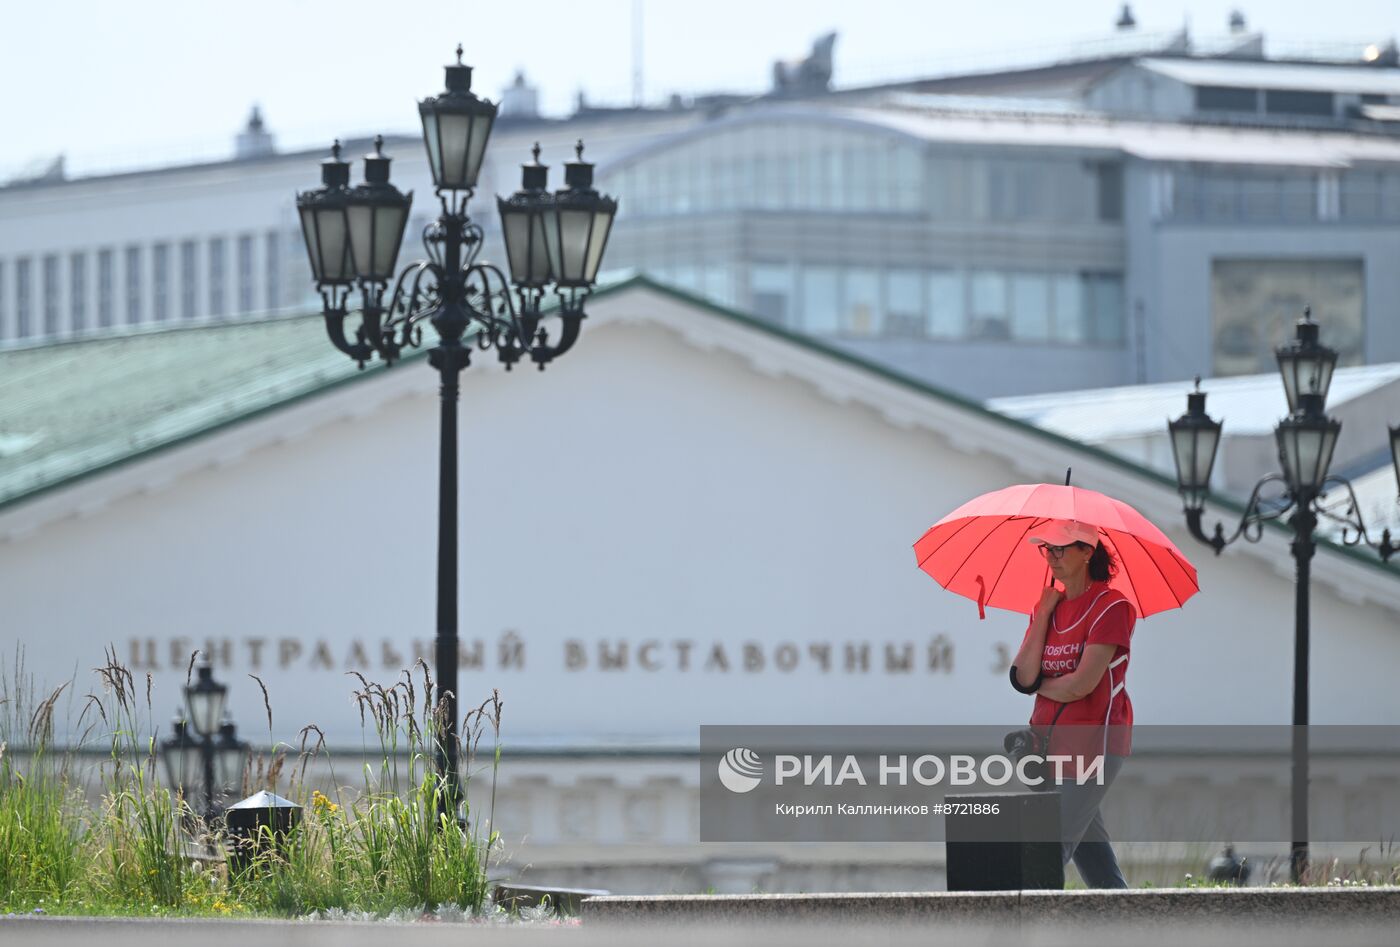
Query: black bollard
[247,837]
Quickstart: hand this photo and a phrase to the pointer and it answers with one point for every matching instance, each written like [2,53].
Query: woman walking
[1074,658]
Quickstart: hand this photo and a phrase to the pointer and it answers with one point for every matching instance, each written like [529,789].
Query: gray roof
[1248,404]
[1367,80]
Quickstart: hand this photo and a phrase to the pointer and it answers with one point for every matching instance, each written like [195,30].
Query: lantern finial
[536,152]
[1198,382]
[459,54]
[335,150]
[379,144]
[578,149]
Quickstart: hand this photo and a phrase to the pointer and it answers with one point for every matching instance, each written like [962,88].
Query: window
[1297,102]
[1211,98]
[1257,195]
[999,190]
[1030,189]
[133,285]
[188,280]
[1067,295]
[1105,311]
[947,305]
[1219,197]
[771,292]
[701,190]
[904,302]
[51,294]
[1297,196]
[718,283]
[77,291]
[1109,181]
[908,178]
[863,313]
[272,253]
[160,282]
[989,306]
[764,175]
[23,292]
[245,273]
[835,183]
[216,276]
[686,277]
[1030,307]
[860,177]
[821,303]
[106,288]
[1370,195]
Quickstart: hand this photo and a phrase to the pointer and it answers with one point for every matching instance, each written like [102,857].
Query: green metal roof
[73,409]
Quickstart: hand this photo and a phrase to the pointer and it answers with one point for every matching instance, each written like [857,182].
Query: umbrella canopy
[982,550]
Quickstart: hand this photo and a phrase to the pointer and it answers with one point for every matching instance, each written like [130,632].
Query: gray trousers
[1084,837]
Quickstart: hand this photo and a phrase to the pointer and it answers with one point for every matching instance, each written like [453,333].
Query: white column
[1329,195]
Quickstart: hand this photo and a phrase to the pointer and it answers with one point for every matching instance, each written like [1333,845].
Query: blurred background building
[1147,208]
[1065,241]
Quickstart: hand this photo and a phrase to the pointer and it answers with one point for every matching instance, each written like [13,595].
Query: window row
[1245,196]
[59,294]
[1370,195]
[1220,196]
[1270,101]
[844,174]
[967,304]
[804,167]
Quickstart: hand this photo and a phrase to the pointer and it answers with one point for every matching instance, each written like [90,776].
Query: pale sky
[122,84]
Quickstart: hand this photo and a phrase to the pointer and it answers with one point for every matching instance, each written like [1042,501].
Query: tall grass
[399,842]
[42,833]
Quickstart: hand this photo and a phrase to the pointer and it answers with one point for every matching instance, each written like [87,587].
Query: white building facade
[693,519]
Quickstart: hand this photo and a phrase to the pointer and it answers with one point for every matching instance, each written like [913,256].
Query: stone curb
[1033,909]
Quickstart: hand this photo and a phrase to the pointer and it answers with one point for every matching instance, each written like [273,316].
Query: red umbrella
[981,549]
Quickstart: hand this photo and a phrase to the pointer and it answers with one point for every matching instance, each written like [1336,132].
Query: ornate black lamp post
[212,755]
[353,237]
[1306,439]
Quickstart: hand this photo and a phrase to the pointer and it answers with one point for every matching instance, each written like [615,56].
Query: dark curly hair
[1102,565]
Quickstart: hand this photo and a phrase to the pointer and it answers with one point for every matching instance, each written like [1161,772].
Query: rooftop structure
[1108,214]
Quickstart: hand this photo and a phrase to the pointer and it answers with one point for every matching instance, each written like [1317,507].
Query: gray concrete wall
[1176,259]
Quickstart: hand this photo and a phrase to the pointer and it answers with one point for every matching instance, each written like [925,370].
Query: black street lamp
[1306,440]
[211,755]
[353,237]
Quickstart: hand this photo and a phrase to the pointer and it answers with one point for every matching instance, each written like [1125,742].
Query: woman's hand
[1049,598]
[1032,649]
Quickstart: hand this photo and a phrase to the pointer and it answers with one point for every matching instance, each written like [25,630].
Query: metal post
[450,357]
[1304,522]
[206,750]
[447,646]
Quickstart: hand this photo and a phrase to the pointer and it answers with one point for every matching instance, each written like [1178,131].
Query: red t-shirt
[1100,615]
